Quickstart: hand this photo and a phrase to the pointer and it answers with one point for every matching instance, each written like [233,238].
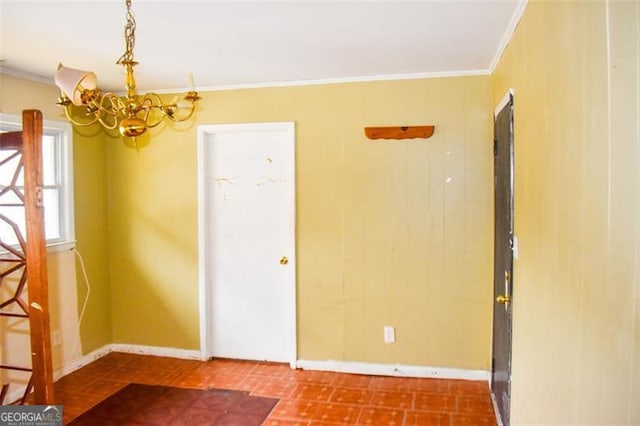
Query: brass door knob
[503,299]
[284,260]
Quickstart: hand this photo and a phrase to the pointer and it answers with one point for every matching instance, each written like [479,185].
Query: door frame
[204,276]
[508,98]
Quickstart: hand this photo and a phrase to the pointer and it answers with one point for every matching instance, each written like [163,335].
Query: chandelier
[132,114]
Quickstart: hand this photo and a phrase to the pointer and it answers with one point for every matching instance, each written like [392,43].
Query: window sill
[61,246]
[57,247]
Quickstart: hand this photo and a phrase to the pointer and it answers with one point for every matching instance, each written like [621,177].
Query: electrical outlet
[389,334]
[56,338]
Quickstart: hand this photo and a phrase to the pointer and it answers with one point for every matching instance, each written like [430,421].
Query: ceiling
[227,44]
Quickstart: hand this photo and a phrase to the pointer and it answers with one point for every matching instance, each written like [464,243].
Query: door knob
[284,260]
[503,299]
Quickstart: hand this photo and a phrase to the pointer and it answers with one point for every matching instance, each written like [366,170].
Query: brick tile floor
[306,397]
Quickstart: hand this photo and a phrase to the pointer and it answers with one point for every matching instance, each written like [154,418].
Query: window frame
[63,132]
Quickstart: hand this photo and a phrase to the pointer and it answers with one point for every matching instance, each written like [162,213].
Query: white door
[247,236]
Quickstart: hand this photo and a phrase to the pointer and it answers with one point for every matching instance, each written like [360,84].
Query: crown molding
[293,83]
[508,33]
[26,75]
[323,81]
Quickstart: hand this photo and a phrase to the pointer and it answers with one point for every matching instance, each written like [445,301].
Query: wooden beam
[399,132]
[37,259]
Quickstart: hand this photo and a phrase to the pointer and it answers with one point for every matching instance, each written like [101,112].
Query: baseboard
[394,370]
[64,369]
[156,351]
[76,364]
[495,409]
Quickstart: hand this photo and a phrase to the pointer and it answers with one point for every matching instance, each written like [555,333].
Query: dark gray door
[503,259]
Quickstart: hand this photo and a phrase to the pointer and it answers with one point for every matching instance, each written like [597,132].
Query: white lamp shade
[73,82]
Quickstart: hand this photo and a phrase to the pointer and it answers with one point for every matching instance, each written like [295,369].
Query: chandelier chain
[129,36]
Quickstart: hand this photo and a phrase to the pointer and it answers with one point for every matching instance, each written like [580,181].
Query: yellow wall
[91,221]
[576,336]
[388,232]
[413,218]
[90,215]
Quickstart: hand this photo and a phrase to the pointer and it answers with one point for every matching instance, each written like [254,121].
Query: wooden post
[37,281]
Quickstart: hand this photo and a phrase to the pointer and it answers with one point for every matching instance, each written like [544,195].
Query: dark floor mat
[138,404]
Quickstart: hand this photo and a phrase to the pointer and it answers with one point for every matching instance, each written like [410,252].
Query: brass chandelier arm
[108,117]
[100,112]
[169,110]
[175,119]
[104,109]
[114,100]
[67,113]
[145,106]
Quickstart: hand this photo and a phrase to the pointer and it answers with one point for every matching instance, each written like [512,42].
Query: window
[57,168]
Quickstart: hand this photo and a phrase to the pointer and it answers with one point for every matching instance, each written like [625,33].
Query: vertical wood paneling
[624,216]
[382,237]
[631,30]
[574,69]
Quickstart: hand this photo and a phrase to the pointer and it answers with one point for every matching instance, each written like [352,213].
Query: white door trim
[503,102]
[204,131]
